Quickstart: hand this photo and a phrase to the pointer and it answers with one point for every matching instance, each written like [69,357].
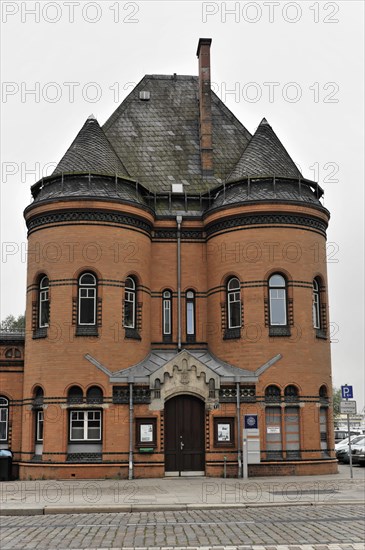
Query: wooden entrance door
[184,435]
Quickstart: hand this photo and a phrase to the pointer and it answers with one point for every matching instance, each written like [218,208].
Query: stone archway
[184,374]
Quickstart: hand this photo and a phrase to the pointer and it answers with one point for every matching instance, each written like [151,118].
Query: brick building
[176,295]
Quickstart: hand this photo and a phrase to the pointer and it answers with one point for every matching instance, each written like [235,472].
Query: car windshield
[359,440]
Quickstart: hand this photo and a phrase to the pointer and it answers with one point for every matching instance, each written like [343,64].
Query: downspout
[130,461]
[178,221]
[237,380]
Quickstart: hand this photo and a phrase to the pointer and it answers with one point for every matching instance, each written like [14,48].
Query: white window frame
[167,313]
[85,416]
[190,313]
[43,300]
[90,289]
[274,290]
[233,297]
[130,298]
[4,416]
[39,425]
[316,305]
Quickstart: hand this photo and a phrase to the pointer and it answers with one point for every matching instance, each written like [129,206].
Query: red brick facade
[96,434]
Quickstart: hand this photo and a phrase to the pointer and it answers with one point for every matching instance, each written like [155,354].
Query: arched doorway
[184,436]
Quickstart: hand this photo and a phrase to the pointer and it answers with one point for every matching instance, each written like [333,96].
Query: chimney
[205,107]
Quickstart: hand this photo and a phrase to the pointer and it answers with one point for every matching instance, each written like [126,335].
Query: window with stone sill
[234,309]
[41,309]
[87,305]
[190,316]
[167,316]
[39,426]
[4,419]
[319,309]
[85,425]
[278,306]
[130,307]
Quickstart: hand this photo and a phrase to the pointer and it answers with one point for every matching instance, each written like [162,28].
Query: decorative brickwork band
[91,216]
[309,222]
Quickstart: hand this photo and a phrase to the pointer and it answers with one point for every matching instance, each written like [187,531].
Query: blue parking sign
[346,392]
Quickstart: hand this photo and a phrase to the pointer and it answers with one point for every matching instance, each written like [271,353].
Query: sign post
[348,407]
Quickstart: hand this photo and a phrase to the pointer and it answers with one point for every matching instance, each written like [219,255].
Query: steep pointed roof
[91,151]
[264,155]
[155,131]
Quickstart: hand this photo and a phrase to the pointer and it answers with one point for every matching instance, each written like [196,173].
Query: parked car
[358,453]
[345,442]
[340,435]
[342,454]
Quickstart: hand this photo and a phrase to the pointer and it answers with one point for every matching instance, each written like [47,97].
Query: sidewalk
[168,494]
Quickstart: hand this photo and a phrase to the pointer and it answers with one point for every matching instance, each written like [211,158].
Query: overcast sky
[299,64]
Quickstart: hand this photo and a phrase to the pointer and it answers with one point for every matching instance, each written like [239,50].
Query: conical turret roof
[264,155]
[91,151]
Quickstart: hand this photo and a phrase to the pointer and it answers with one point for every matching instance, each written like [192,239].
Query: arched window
[13,352]
[38,396]
[323,391]
[291,393]
[87,299]
[316,304]
[94,395]
[234,303]
[157,389]
[278,300]
[4,419]
[166,313]
[130,303]
[190,315]
[272,393]
[43,301]
[75,395]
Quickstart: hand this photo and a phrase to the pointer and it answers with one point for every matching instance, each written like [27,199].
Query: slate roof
[267,189]
[90,186]
[158,139]
[155,142]
[157,358]
[264,156]
[91,152]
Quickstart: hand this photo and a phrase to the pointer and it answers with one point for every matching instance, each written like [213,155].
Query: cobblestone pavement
[323,527]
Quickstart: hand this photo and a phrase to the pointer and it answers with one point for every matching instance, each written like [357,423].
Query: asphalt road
[335,525]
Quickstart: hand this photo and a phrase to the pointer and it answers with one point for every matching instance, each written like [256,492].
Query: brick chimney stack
[205,107]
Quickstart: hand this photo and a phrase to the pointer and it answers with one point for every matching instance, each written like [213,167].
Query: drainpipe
[237,380]
[130,461]
[178,221]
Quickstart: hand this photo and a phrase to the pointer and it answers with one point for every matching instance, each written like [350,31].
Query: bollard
[225,467]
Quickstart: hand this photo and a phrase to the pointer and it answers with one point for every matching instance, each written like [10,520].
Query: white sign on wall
[273,429]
